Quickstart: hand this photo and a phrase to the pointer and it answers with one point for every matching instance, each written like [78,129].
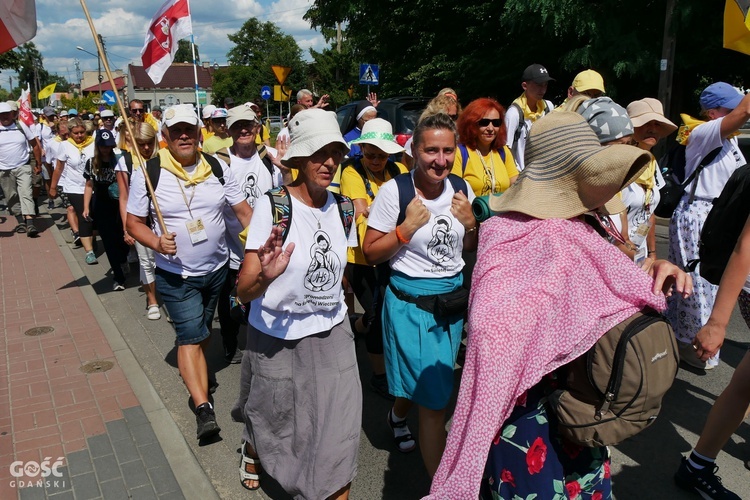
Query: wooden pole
[121,106]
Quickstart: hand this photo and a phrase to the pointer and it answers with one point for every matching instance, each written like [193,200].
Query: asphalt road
[642,467]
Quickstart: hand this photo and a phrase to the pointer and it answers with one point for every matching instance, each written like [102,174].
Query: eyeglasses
[108,118]
[486,121]
[376,156]
[136,111]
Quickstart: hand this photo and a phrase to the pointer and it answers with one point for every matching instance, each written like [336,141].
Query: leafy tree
[257,47]
[336,72]
[185,53]
[31,66]
[62,83]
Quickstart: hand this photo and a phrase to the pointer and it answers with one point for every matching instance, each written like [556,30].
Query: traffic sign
[368,74]
[108,97]
[202,98]
[281,73]
[265,92]
[281,94]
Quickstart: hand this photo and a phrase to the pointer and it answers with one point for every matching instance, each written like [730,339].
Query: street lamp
[99,64]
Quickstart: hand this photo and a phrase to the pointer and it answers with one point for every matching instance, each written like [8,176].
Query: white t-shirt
[704,139]
[435,249]
[51,152]
[46,135]
[14,145]
[634,198]
[208,199]
[254,179]
[511,125]
[72,179]
[308,297]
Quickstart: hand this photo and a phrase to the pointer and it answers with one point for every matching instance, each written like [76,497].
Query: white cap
[181,113]
[207,110]
[239,113]
[5,107]
[107,113]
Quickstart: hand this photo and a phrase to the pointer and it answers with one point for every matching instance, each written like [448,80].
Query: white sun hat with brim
[309,131]
[181,113]
[379,133]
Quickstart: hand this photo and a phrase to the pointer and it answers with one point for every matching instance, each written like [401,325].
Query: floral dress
[529,459]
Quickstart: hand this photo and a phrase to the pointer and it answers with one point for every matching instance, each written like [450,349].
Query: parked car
[402,112]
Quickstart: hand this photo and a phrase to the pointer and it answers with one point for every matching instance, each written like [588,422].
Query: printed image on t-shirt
[251,189]
[444,243]
[323,272]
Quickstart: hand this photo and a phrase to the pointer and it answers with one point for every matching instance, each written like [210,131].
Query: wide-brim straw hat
[649,109]
[379,133]
[568,173]
[309,131]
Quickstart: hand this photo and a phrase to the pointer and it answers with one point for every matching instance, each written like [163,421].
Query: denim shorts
[191,302]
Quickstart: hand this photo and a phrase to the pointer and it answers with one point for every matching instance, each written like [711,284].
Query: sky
[61,26]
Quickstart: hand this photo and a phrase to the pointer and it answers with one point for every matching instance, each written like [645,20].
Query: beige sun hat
[649,109]
[309,131]
[568,173]
[379,133]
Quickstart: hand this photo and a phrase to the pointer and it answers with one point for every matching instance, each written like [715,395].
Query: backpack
[723,226]
[615,390]
[281,209]
[673,170]
[128,162]
[406,191]
[465,157]
[522,122]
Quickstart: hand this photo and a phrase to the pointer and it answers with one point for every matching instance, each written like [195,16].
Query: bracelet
[652,250]
[400,237]
[472,229]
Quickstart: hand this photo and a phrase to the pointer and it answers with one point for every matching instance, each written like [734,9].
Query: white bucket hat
[379,133]
[311,130]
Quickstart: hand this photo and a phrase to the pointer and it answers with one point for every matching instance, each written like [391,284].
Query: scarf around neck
[200,174]
[528,114]
[543,292]
[88,140]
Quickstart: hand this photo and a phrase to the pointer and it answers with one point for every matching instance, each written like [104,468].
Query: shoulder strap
[263,154]
[406,193]
[697,172]
[464,158]
[215,167]
[346,211]
[392,169]
[128,162]
[281,210]
[153,170]
[502,153]
[356,164]
[223,153]
[458,183]
[521,123]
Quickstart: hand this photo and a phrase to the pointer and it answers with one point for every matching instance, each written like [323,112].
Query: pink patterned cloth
[543,293]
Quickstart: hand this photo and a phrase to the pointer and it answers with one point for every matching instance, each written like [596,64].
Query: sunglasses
[376,156]
[486,121]
[137,111]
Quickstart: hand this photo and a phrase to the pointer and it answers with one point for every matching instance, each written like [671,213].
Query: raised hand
[273,259]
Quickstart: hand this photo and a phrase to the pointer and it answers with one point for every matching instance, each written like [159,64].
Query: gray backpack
[614,390]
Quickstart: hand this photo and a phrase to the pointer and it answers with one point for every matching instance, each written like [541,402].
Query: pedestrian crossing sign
[368,74]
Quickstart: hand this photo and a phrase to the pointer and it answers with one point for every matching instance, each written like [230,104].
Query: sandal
[21,228]
[401,435]
[152,312]
[246,475]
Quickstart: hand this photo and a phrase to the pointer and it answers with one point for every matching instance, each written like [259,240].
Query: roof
[119,83]
[178,76]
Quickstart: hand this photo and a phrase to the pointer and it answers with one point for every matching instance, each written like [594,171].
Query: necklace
[311,206]
[489,172]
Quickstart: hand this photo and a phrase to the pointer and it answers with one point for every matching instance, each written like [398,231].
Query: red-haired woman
[482,158]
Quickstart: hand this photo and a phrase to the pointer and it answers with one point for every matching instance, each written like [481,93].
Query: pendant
[318,224]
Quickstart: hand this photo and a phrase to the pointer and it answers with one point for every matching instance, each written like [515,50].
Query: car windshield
[410,113]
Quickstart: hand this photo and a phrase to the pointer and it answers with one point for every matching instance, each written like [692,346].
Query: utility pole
[338,47]
[666,68]
[99,62]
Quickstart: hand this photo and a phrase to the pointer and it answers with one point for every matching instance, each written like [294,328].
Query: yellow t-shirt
[477,176]
[215,143]
[262,134]
[205,134]
[353,186]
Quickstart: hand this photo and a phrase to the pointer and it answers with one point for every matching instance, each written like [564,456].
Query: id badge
[640,234]
[196,230]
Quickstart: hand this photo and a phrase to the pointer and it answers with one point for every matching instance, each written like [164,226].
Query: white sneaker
[153,312]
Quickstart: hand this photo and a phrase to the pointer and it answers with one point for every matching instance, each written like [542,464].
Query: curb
[189,474]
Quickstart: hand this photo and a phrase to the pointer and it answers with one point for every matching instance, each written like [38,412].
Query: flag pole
[121,107]
[195,73]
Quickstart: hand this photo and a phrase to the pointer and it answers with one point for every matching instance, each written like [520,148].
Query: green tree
[335,71]
[185,53]
[257,47]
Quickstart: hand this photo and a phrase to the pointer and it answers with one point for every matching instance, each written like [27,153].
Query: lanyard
[488,171]
[606,223]
[187,203]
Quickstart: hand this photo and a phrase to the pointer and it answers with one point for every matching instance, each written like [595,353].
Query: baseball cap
[180,113]
[105,138]
[72,112]
[228,102]
[207,110]
[219,113]
[49,111]
[63,113]
[536,73]
[5,107]
[239,113]
[588,80]
[720,95]
[107,113]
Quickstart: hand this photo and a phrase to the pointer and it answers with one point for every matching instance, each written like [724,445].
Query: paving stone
[99,446]
[126,450]
[86,487]
[79,462]
[153,456]
[63,495]
[32,493]
[143,493]
[118,430]
[107,468]
[172,495]
[163,480]
[135,416]
[114,490]
[143,434]
[135,474]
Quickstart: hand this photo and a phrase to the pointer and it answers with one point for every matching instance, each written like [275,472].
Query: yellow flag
[47,91]
[737,26]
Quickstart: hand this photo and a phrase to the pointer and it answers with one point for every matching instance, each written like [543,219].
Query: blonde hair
[143,132]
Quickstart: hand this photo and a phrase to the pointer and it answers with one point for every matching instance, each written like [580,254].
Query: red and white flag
[24,107]
[17,23]
[170,24]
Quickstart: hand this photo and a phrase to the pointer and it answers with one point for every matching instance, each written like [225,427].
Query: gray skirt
[303,412]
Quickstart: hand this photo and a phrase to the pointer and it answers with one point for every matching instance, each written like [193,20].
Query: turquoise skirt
[420,349]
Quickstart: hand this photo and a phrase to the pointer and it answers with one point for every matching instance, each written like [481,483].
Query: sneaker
[380,385]
[50,205]
[31,230]
[704,482]
[91,258]
[119,287]
[401,435]
[688,356]
[206,421]
[233,357]
[153,313]
[76,239]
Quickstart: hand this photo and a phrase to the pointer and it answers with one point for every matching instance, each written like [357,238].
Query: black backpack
[723,226]
[673,169]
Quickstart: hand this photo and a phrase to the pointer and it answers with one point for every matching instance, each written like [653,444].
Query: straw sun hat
[309,131]
[379,133]
[568,173]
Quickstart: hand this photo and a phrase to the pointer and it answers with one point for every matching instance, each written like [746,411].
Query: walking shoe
[206,420]
[91,258]
[233,357]
[50,204]
[401,434]
[76,239]
[704,482]
[152,312]
[119,287]
[379,384]
[31,230]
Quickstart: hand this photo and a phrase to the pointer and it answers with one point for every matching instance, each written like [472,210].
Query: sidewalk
[81,419]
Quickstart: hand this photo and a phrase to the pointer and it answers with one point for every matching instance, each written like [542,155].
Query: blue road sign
[368,74]
[109,97]
[265,92]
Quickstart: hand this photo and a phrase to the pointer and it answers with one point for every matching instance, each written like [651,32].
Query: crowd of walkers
[278,240]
